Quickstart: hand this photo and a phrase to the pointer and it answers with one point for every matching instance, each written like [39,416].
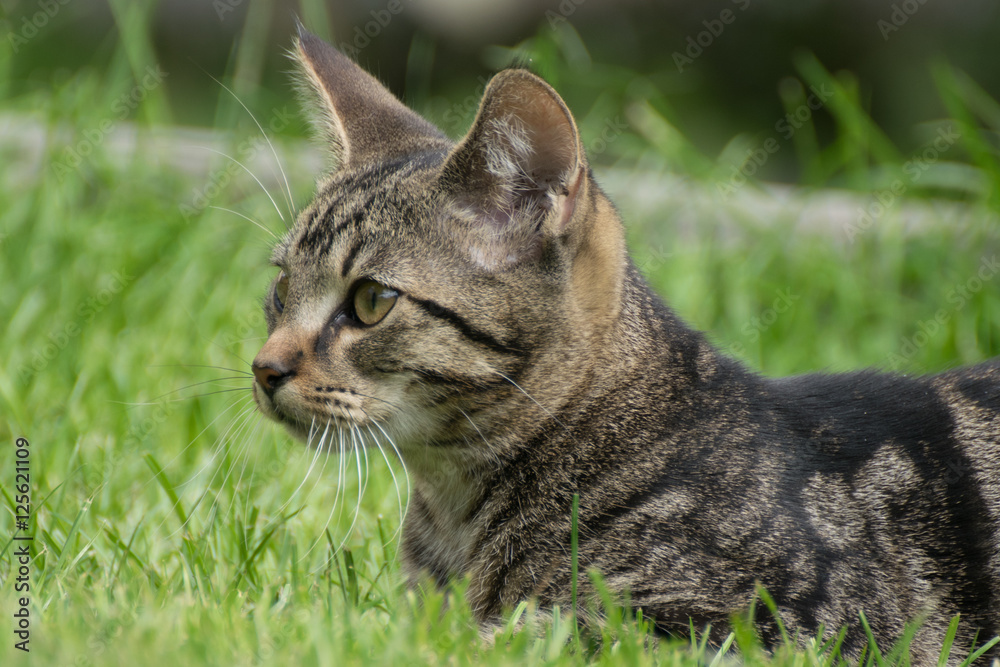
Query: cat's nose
[279,360]
[271,375]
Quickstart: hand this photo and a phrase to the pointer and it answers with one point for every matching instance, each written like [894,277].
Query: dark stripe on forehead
[348,264]
[466,329]
[320,234]
[364,186]
[373,176]
[354,218]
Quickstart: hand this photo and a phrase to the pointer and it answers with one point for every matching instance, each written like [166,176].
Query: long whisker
[364,452]
[247,218]
[253,176]
[489,446]
[542,407]
[240,454]
[399,455]
[242,417]
[277,160]
[336,498]
[253,471]
[361,486]
[316,454]
[198,384]
[195,439]
[395,484]
[244,454]
[192,396]
[217,368]
[236,428]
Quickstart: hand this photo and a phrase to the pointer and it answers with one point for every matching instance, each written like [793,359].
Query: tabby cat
[475,304]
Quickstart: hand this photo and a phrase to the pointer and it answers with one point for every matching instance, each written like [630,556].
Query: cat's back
[851,416]
[903,471]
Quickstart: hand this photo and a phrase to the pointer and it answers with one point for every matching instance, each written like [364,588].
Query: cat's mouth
[319,430]
[308,417]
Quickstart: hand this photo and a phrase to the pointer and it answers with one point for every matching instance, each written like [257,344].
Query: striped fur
[526,360]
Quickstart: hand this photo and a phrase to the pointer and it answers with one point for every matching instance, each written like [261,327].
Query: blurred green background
[816,184]
[720,68]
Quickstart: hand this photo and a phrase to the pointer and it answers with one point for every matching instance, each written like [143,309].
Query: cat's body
[476,304]
[699,480]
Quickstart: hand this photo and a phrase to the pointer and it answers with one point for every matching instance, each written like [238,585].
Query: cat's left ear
[520,171]
[362,122]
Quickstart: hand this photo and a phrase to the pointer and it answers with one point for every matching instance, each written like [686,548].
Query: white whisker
[242,418]
[357,506]
[543,408]
[489,448]
[253,471]
[336,497]
[395,482]
[201,433]
[277,160]
[254,177]
[247,218]
[239,454]
[317,452]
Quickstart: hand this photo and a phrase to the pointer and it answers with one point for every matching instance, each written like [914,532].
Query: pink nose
[270,376]
[265,375]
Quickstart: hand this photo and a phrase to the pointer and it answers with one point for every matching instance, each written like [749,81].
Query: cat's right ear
[358,118]
[518,175]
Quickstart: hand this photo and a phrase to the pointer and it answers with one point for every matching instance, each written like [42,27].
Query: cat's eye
[373,301]
[281,291]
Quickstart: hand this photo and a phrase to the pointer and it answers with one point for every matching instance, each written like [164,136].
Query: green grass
[168,520]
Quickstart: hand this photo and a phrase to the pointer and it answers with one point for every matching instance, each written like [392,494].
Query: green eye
[373,301]
[281,291]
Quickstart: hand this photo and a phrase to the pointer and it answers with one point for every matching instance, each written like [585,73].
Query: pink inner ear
[516,179]
[568,202]
[549,131]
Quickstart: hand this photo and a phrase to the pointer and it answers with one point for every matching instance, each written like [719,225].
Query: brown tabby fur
[526,360]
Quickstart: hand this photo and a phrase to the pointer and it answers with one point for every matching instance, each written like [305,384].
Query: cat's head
[440,293]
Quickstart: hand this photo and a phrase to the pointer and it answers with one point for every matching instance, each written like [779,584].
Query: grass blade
[167,487]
